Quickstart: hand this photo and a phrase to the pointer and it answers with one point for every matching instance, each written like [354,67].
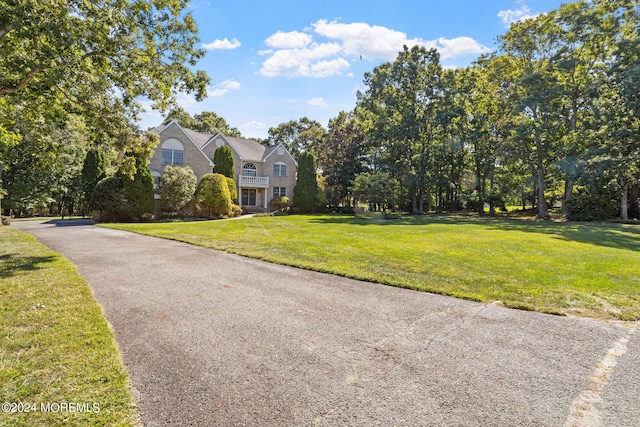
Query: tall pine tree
[306,191]
[223,161]
[93,170]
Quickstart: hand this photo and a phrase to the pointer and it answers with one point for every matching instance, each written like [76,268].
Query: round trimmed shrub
[177,187]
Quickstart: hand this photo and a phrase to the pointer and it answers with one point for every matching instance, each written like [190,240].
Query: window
[279,169]
[279,191]
[172,152]
[249,169]
[157,181]
[248,196]
[178,157]
[172,157]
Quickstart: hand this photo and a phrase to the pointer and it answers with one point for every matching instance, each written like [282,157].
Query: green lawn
[57,353]
[565,268]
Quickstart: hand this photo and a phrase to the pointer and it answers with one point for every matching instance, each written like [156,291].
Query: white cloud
[290,40]
[460,46]
[296,54]
[303,62]
[318,102]
[254,129]
[222,44]
[186,100]
[223,87]
[510,16]
[329,68]
[361,39]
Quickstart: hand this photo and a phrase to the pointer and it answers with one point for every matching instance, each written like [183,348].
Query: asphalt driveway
[213,339]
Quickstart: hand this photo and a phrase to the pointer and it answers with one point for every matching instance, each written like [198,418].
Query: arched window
[172,152]
[249,169]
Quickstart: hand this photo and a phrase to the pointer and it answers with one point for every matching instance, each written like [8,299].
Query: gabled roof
[196,138]
[273,149]
[247,149]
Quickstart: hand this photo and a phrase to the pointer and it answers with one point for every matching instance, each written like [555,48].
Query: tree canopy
[298,136]
[96,59]
[206,122]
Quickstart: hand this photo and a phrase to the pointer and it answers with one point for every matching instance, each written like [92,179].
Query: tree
[299,136]
[109,199]
[212,198]
[582,31]
[97,59]
[206,122]
[531,47]
[210,122]
[184,119]
[378,189]
[623,114]
[177,187]
[93,171]
[398,110]
[223,161]
[138,190]
[343,157]
[306,193]
[42,171]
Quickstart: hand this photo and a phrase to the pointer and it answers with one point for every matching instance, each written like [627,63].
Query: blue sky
[271,61]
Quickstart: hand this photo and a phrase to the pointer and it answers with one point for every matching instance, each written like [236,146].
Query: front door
[249,197]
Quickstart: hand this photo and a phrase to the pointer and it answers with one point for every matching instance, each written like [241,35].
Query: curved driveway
[213,339]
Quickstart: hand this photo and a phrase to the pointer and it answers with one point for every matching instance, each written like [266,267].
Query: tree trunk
[414,198]
[479,190]
[543,210]
[492,206]
[568,187]
[624,204]
[634,195]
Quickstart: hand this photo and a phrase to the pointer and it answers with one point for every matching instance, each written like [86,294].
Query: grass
[563,268]
[56,347]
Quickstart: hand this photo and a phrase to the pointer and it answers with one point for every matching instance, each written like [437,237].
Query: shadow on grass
[612,235]
[11,264]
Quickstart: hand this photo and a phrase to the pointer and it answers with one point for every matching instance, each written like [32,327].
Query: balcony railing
[254,181]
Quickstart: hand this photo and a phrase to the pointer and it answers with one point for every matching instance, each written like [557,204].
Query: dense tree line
[549,119]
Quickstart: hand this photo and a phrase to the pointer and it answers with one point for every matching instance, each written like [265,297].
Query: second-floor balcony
[254,181]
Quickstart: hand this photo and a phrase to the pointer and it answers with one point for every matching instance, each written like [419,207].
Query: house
[261,173]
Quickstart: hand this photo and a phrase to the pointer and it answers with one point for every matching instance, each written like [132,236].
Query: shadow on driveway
[69,222]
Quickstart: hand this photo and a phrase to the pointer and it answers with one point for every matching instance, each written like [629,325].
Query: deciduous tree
[303,135]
